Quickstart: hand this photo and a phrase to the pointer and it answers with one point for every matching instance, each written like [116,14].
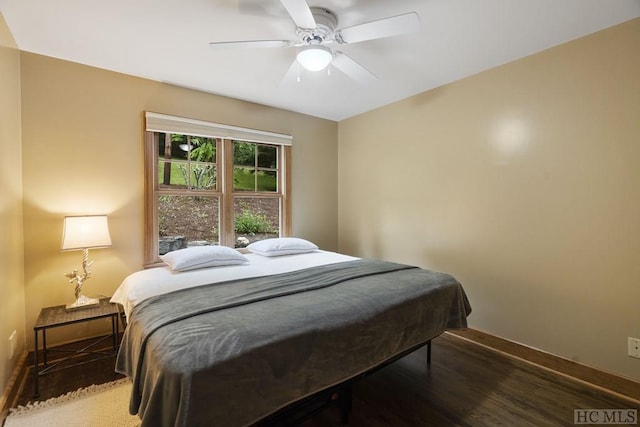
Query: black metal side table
[53,317]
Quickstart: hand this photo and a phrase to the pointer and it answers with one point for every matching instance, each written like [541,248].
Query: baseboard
[613,383]
[14,387]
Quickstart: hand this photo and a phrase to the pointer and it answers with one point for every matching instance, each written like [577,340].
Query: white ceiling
[167,40]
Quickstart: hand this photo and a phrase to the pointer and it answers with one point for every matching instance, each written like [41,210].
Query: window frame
[224,192]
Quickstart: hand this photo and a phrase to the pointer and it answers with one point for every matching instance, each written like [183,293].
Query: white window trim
[156,122]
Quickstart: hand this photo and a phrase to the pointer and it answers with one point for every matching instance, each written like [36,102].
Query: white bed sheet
[147,283]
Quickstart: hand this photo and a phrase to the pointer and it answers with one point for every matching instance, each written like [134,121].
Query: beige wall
[11,253]
[523,182]
[82,154]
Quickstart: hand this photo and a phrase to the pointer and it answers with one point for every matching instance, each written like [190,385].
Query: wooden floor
[59,382]
[466,385]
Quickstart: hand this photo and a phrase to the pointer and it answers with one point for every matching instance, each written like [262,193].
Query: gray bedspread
[227,354]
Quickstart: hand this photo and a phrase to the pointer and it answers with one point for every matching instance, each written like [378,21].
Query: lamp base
[82,302]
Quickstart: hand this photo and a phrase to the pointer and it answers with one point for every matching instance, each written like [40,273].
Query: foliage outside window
[207,191]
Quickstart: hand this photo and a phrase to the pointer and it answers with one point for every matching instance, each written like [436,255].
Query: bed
[229,345]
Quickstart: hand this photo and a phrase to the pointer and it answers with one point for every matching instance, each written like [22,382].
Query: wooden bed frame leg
[428,353]
[345,404]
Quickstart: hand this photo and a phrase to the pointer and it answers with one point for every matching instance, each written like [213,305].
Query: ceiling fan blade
[252,44]
[386,27]
[352,69]
[300,13]
[292,74]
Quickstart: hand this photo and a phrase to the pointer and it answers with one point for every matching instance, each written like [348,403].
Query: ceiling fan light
[314,57]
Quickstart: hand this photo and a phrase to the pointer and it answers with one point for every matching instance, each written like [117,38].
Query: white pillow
[202,257]
[281,246]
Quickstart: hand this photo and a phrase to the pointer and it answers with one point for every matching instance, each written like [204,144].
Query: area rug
[104,405]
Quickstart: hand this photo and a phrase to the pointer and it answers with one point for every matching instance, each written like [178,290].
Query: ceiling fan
[317,28]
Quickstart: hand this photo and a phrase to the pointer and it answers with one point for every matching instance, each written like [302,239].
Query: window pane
[187,221]
[175,147]
[203,149]
[173,174]
[267,156]
[244,153]
[203,176]
[267,181]
[244,179]
[255,218]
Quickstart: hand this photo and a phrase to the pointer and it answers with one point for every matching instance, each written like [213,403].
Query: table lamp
[84,232]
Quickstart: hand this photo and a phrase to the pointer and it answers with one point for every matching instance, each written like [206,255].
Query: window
[212,184]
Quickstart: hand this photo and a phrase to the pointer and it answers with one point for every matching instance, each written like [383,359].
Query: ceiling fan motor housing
[326,22]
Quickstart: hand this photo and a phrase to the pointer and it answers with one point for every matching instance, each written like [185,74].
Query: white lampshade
[315,57]
[83,232]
